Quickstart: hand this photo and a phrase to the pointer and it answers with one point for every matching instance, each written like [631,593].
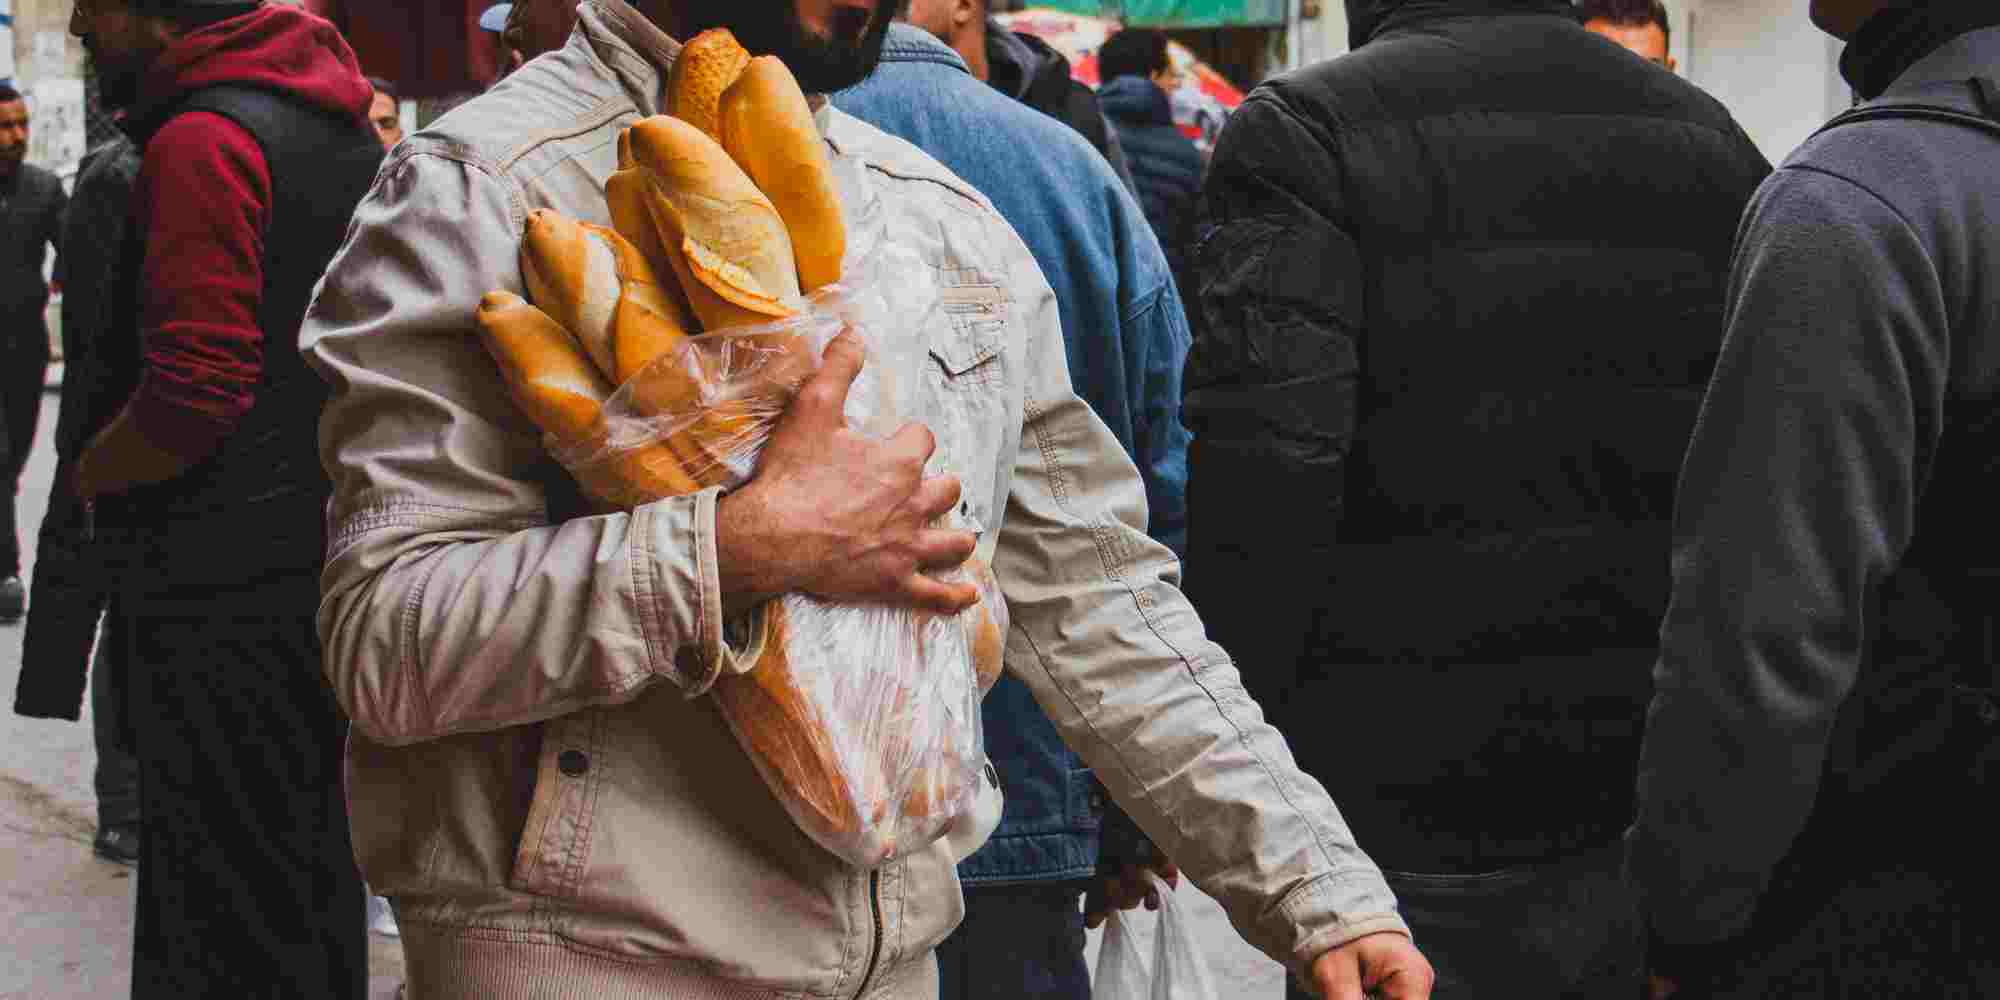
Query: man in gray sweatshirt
[1824,721]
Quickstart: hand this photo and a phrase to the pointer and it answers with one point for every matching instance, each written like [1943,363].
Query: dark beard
[117,88]
[772,27]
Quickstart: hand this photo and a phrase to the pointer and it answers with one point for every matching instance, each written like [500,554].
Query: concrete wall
[1764,61]
[48,68]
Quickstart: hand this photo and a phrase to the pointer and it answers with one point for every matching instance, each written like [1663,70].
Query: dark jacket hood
[275,47]
[1136,99]
[1369,18]
[1018,65]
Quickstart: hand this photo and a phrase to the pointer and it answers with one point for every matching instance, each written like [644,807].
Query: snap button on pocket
[573,763]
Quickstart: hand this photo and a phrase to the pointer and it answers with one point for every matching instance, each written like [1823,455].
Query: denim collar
[910,44]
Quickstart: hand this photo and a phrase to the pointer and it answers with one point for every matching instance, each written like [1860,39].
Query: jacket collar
[1975,53]
[907,43]
[1369,19]
[631,46]
[1136,98]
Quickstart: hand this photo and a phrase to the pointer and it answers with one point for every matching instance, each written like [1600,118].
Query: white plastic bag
[1177,971]
[863,720]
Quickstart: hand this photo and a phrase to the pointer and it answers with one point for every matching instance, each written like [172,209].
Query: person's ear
[964,12]
[1673,65]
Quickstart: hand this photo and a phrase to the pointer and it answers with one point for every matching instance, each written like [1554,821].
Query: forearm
[438,621]
[1118,659]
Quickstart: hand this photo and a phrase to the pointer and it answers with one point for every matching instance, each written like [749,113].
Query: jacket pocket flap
[972,340]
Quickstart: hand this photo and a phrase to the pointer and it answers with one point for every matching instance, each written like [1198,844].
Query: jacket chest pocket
[966,388]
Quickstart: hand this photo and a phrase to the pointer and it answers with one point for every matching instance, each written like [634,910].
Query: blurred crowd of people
[1482,523]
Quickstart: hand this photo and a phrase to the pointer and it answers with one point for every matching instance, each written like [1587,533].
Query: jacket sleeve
[1797,498]
[1272,382]
[1156,339]
[205,191]
[1116,656]
[449,602]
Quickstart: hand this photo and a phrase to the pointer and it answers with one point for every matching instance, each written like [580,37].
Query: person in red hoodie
[252,119]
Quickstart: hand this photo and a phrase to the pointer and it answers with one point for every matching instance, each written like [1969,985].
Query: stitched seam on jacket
[604,112]
[643,571]
[410,662]
[1195,672]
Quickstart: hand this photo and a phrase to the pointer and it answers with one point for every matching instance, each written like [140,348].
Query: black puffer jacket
[1458,295]
[1165,164]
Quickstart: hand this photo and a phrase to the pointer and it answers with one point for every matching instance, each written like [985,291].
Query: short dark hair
[1132,52]
[8,94]
[1629,13]
[385,88]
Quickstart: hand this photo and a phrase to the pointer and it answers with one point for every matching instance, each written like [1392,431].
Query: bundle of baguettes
[724,215]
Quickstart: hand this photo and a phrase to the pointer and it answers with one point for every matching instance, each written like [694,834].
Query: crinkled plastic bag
[863,720]
[1177,972]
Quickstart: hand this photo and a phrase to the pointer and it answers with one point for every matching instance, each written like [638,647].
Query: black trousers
[247,883]
[1016,942]
[24,364]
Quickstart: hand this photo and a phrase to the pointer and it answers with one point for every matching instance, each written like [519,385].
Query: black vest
[251,516]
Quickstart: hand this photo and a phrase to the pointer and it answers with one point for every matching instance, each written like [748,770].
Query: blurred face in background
[13,135]
[388,122]
[1646,41]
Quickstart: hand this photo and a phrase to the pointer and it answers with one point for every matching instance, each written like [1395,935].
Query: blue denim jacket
[1127,339]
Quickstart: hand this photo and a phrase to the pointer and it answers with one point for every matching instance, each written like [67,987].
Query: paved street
[69,915]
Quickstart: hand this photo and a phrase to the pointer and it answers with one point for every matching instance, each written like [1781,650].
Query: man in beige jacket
[535,777]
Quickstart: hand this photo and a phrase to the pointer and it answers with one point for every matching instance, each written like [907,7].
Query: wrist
[745,574]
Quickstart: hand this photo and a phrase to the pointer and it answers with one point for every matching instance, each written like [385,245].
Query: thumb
[1337,976]
[825,394]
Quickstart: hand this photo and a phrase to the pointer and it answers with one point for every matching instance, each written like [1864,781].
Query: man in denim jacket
[1126,338]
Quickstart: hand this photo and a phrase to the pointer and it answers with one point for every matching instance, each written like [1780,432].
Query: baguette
[784,732]
[725,241]
[563,393]
[768,129]
[703,71]
[546,371]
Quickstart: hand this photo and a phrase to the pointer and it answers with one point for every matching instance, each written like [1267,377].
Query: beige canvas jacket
[535,776]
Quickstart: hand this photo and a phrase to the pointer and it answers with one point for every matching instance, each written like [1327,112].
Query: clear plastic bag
[863,720]
[1177,972]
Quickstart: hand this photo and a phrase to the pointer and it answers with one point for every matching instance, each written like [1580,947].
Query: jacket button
[573,763]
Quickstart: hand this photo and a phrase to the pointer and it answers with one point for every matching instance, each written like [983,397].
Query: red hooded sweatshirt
[204,197]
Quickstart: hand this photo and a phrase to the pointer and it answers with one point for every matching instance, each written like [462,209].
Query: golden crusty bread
[703,71]
[601,288]
[563,393]
[734,255]
[780,728]
[984,629]
[546,371]
[768,129]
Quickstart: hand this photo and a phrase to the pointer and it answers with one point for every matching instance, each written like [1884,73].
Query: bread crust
[768,129]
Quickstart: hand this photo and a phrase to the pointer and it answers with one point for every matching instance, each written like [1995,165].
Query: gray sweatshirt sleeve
[1797,498]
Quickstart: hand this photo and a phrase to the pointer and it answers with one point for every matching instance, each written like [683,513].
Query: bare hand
[839,515]
[1380,965]
[1126,890]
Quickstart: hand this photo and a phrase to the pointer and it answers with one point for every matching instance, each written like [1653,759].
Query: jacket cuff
[679,589]
[1357,902]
